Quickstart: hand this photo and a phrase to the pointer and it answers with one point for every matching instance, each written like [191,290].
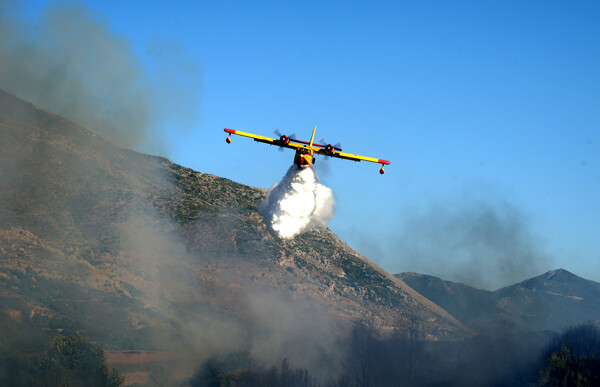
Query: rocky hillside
[553,301]
[141,253]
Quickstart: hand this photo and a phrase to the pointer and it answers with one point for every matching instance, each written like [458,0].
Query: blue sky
[493,102]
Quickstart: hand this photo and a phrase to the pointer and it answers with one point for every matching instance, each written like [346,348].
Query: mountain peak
[558,273]
[553,278]
[553,301]
[561,283]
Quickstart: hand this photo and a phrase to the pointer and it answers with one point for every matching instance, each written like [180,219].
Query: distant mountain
[461,301]
[552,301]
[142,253]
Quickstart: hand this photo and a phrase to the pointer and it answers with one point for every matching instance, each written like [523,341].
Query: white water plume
[297,204]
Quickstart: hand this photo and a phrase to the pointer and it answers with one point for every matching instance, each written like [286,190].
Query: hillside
[140,253]
[553,301]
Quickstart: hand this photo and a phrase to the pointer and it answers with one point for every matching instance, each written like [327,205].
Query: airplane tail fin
[312,139]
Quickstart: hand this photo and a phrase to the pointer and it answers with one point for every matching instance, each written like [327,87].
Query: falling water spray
[298,203]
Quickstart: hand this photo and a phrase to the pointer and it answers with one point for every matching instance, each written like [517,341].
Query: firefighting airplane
[305,150]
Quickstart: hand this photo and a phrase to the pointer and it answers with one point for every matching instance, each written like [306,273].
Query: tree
[209,374]
[239,369]
[74,361]
[557,371]
[563,369]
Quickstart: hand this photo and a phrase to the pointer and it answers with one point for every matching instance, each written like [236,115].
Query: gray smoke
[276,326]
[487,244]
[72,64]
[484,244]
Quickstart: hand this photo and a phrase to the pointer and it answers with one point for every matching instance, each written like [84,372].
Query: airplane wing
[325,150]
[283,141]
[349,156]
[332,152]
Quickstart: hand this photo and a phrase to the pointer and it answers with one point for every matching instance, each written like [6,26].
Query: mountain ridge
[552,301]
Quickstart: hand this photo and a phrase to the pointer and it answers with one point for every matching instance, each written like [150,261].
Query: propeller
[337,146]
[284,138]
[278,133]
[329,147]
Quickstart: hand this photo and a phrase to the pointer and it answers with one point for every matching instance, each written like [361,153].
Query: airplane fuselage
[304,158]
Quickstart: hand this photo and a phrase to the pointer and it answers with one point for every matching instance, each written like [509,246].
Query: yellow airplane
[305,150]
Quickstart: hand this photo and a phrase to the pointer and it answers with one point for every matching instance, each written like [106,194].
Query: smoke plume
[486,244]
[297,204]
[74,65]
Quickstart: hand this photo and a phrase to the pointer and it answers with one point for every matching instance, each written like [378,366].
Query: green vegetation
[201,195]
[573,359]
[240,369]
[404,359]
[563,369]
[68,360]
